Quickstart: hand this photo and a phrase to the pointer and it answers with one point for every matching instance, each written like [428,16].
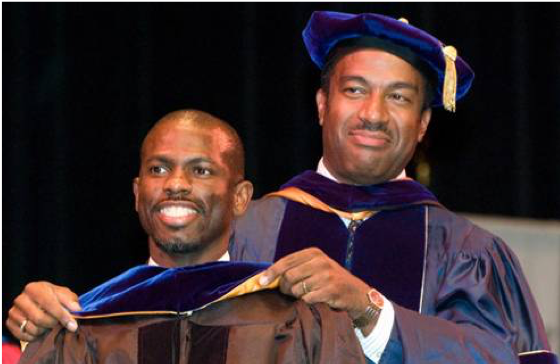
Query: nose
[374,108]
[178,183]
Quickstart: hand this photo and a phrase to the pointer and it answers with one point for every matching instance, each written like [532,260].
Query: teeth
[177,211]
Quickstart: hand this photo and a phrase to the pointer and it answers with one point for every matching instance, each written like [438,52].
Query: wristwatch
[373,310]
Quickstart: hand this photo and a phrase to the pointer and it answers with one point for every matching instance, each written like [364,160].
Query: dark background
[82,83]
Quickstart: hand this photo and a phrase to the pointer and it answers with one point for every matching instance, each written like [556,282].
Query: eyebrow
[157,158]
[359,79]
[406,85]
[167,160]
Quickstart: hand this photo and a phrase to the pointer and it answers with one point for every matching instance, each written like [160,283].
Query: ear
[321,100]
[135,187]
[424,122]
[241,197]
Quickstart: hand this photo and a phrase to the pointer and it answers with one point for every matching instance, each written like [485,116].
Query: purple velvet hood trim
[384,196]
[149,288]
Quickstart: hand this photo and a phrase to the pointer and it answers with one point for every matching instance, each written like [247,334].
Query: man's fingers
[290,281]
[43,305]
[27,337]
[32,330]
[274,271]
[14,329]
[315,272]
[14,323]
[303,279]
[70,301]
[67,298]
[317,297]
[26,308]
[288,262]
[47,304]
[299,289]
[312,289]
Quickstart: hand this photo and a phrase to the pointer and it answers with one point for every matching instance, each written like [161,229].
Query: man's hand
[43,305]
[314,277]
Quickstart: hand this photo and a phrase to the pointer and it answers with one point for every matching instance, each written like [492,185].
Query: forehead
[182,139]
[377,64]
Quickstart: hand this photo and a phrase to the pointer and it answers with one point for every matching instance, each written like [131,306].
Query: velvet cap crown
[326,30]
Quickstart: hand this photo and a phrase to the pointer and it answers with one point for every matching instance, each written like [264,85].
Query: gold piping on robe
[298,195]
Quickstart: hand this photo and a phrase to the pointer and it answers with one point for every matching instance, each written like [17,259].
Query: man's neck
[205,254]
[323,171]
[223,258]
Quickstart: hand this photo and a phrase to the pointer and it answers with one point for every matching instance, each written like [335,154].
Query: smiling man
[189,188]
[373,115]
[186,306]
[421,283]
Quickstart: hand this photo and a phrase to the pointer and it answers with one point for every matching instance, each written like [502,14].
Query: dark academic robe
[145,316]
[458,291]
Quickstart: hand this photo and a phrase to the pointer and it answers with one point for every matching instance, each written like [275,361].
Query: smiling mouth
[370,138]
[177,211]
[177,216]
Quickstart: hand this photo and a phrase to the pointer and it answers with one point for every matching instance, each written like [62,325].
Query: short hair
[340,52]
[234,155]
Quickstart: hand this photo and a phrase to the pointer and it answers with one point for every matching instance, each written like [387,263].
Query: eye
[158,170]
[354,90]
[399,97]
[202,171]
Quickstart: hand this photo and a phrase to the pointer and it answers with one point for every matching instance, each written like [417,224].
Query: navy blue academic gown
[458,291]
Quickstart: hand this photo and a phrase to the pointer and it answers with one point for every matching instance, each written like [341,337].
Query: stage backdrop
[82,83]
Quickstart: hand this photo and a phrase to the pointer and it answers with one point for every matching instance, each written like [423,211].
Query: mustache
[178,196]
[372,126]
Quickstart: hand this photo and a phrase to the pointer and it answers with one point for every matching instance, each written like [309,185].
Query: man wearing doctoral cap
[420,283]
[426,285]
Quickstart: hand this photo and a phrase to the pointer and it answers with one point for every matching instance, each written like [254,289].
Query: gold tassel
[450,80]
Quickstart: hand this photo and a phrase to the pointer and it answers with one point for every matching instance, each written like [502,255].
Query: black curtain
[83,82]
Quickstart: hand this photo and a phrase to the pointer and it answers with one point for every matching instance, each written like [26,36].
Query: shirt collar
[323,171]
[223,258]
